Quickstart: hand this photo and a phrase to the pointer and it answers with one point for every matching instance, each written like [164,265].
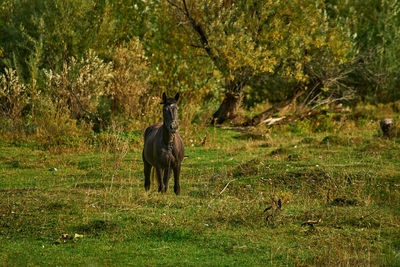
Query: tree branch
[199,29]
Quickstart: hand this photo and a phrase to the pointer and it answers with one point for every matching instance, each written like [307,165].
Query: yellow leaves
[319,41]
[66,238]
[259,36]
[77,236]
[276,35]
[216,73]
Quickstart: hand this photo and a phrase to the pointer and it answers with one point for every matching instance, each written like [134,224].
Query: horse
[163,147]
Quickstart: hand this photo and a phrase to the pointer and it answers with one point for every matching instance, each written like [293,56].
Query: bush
[80,86]
[373,25]
[130,90]
[14,99]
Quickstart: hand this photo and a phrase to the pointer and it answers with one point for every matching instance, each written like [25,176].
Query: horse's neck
[168,138]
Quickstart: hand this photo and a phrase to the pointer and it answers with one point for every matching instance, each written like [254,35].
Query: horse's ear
[177,97]
[164,98]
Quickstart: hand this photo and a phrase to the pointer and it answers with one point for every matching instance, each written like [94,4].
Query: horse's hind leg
[147,173]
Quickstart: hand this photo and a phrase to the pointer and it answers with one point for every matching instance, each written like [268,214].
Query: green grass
[339,196]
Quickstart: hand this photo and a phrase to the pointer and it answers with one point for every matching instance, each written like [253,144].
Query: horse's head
[170,112]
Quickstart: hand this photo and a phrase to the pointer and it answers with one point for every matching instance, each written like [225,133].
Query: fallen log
[294,117]
[281,108]
[310,113]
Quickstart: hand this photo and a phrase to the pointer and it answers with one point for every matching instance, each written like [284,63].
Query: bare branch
[226,186]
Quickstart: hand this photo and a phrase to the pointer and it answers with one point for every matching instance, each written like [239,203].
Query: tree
[251,43]
[44,34]
[374,28]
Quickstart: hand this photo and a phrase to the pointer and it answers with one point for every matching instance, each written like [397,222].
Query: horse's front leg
[167,175]
[160,173]
[177,172]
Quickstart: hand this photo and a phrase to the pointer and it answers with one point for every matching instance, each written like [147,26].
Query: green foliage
[374,28]
[80,85]
[43,34]
[176,65]
[270,45]
[13,96]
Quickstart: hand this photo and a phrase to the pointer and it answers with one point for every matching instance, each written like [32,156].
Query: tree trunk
[232,100]
[282,108]
[227,109]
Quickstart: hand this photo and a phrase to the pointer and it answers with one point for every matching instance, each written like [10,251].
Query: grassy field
[247,199]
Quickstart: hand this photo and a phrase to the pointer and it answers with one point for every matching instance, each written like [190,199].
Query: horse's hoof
[177,190]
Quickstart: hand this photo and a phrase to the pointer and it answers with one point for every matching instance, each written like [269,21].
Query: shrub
[130,88]
[14,98]
[80,86]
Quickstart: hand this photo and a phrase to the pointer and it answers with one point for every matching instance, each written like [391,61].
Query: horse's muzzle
[173,127]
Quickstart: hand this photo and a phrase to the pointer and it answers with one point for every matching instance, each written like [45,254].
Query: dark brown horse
[163,147]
